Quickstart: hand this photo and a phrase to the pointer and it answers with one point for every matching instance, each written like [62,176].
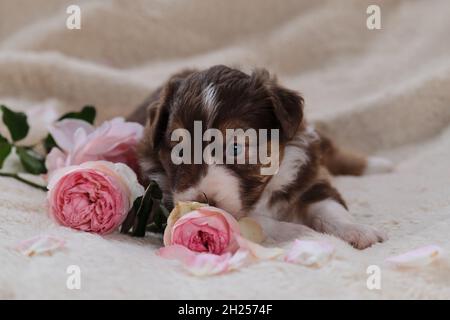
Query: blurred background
[392,83]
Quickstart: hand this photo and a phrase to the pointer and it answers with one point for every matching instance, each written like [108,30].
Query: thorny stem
[19,178]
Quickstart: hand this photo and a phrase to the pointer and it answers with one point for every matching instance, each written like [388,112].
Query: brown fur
[252,101]
[255,101]
[339,161]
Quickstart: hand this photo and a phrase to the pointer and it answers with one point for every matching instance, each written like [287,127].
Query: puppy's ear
[288,108]
[159,112]
[287,104]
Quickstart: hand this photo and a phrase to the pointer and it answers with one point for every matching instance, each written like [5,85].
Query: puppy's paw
[378,165]
[361,236]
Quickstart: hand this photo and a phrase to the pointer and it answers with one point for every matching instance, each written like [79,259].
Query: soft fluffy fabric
[381,92]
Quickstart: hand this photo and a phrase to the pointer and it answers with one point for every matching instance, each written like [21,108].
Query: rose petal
[232,222]
[241,258]
[180,209]
[223,222]
[112,136]
[39,245]
[310,253]
[176,252]
[251,230]
[64,132]
[126,176]
[419,257]
[114,141]
[95,196]
[55,160]
[257,250]
[205,264]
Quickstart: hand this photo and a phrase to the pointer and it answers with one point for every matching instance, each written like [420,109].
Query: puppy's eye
[235,149]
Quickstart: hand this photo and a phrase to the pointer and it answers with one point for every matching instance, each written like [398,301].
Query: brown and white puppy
[221,97]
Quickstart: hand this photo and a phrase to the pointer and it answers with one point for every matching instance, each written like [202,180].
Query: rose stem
[17,177]
[207,201]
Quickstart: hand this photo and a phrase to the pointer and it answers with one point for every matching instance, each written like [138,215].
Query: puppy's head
[221,98]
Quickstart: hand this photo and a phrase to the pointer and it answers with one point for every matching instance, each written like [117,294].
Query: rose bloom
[205,229]
[79,141]
[95,196]
[208,240]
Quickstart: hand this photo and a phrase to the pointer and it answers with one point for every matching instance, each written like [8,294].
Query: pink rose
[114,141]
[203,238]
[205,229]
[208,241]
[95,196]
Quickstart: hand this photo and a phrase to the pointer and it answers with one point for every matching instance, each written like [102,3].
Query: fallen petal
[205,264]
[310,253]
[176,252]
[419,257]
[241,258]
[39,245]
[198,264]
[259,251]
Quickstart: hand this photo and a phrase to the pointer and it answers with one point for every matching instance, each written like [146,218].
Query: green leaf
[31,161]
[164,211]
[127,225]
[156,229]
[143,213]
[160,217]
[16,122]
[149,210]
[87,114]
[155,190]
[49,143]
[153,228]
[147,213]
[3,139]
[5,150]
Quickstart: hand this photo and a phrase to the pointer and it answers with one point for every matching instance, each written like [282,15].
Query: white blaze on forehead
[220,186]
[209,97]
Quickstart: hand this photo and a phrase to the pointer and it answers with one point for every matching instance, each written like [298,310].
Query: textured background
[384,92]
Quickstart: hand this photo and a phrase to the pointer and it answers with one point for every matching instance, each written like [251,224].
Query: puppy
[223,98]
